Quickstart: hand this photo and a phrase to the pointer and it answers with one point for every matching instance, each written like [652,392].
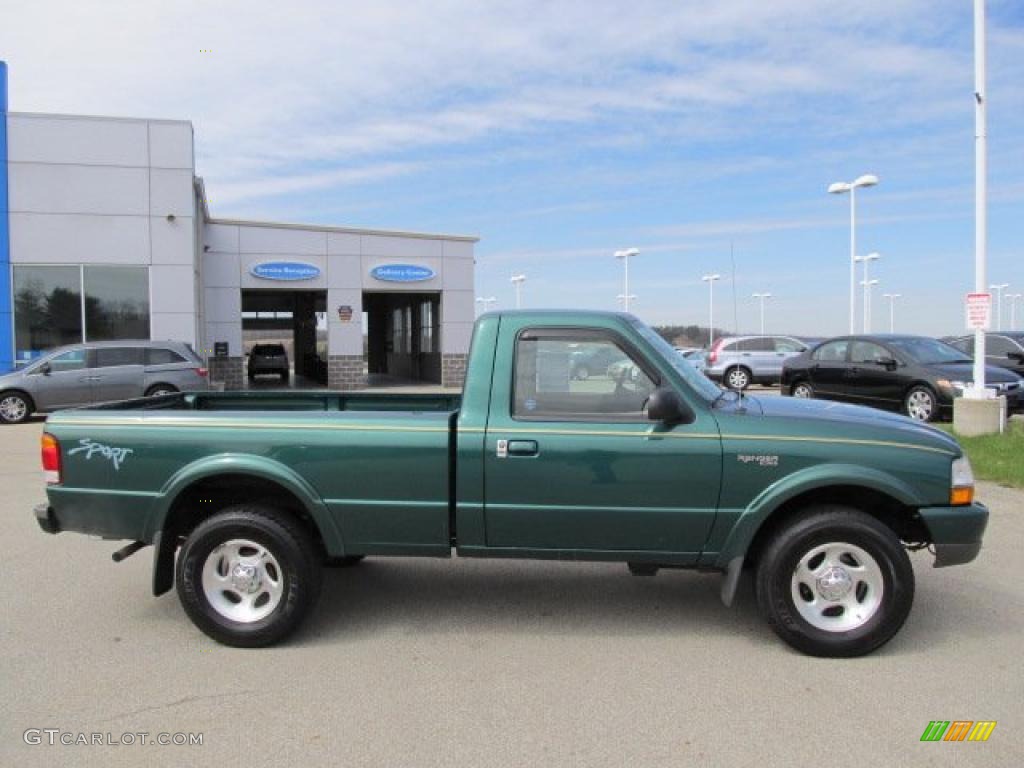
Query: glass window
[782,344]
[999,346]
[108,357]
[928,351]
[965,344]
[47,309]
[549,385]
[832,352]
[71,360]
[868,352]
[158,356]
[116,303]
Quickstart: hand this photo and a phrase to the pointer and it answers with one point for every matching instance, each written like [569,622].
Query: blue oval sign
[284,270]
[401,273]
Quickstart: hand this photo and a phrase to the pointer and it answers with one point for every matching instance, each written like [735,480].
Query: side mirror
[666,406]
[886,362]
[1018,356]
[45,369]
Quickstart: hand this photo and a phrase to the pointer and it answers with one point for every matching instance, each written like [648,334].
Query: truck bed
[298,400]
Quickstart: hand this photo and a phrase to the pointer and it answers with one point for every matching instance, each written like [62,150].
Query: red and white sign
[979,311]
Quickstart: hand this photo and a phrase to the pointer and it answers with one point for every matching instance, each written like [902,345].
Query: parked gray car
[739,361]
[81,374]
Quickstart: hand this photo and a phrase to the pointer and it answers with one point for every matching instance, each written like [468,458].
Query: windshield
[701,383]
[929,351]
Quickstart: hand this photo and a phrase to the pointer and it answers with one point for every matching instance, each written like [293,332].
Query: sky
[703,134]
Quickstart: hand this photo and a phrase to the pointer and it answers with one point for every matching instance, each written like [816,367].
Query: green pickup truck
[245,496]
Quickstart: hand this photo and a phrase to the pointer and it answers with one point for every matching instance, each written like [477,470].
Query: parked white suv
[739,361]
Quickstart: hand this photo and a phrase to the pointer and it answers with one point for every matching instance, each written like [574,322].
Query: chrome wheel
[13,409]
[837,587]
[803,390]
[242,581]
[738,379]
[920,405]
[162,391]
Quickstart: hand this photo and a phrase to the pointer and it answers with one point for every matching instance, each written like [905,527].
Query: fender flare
[809,479]
[233,464]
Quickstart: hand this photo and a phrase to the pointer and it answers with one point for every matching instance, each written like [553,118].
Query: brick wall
[453,370]
[228,370]
[346,372]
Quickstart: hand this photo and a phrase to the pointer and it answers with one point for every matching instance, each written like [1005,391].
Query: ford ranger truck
[245,496]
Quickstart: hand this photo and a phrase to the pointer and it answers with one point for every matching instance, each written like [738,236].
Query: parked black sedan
[915,374]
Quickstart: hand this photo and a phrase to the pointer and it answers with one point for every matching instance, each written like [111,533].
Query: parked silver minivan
[739,361]
[81,374]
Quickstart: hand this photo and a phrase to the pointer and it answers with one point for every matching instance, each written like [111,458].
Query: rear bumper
[46,518]
[956,532]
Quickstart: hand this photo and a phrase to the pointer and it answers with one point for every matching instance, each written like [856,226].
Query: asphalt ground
[492,663]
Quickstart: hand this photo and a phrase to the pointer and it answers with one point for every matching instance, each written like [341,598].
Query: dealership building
[105,233]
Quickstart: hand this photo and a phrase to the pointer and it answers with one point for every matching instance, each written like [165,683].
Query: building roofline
[107,118]
[346,230]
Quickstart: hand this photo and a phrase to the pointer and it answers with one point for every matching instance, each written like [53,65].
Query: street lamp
[838,188]
[624,299]
[867,298]
[868,285]
[486,302]
[1013,297]
[626,255]
[892,309]
[999,288]
[762,297]
[517,281]
[710,280]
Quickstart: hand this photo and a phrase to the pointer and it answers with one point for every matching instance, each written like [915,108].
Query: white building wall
[108,191]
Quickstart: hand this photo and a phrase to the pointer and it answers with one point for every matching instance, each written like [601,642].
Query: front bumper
[46,518]
[956,532]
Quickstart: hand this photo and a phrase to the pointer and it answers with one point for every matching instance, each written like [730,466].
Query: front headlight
[956,386]
[961,482]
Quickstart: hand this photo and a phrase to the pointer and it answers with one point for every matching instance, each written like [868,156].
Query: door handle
[523,448]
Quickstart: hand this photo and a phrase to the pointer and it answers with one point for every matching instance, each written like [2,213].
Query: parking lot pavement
[493,663]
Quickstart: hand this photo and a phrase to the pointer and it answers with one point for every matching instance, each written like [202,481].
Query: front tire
[248,576]
[921,404]
[15,407]
[802,390]
[160,389]
[835,582]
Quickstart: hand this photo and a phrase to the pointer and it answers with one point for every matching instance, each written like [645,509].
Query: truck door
[575,465]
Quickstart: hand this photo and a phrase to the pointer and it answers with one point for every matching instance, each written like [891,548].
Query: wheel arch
[199,490]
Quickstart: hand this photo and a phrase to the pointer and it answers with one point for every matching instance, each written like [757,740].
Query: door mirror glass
[886,362]
[45,369]
[665,405]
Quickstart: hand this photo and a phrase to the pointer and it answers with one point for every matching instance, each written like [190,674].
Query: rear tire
[160,389]
[15,407]
[248,576]
[802,390]
[737,378]
[835,582]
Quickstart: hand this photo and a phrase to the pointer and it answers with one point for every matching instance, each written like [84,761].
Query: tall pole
[1013,297]
[762,297]
[980,189]
[853,259]
[517,281]
[999,288]
[892,309]
[710,280]
[868,285]
[626,255]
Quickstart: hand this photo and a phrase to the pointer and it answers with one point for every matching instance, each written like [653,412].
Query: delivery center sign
[979,311]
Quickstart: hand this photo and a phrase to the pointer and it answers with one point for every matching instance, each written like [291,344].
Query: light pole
[486,302]
[892,309]
[762,297]
[977,390]
[838,188]
[517,281]
[999,288]
[710,280]
[866,260]
[1013,297]
[624,299]
[868,285]
[626,255]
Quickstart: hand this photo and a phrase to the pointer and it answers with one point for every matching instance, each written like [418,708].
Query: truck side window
[577,378]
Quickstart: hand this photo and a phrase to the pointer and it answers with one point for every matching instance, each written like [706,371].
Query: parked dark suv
[269,359]
[1002,348]
[915,374]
